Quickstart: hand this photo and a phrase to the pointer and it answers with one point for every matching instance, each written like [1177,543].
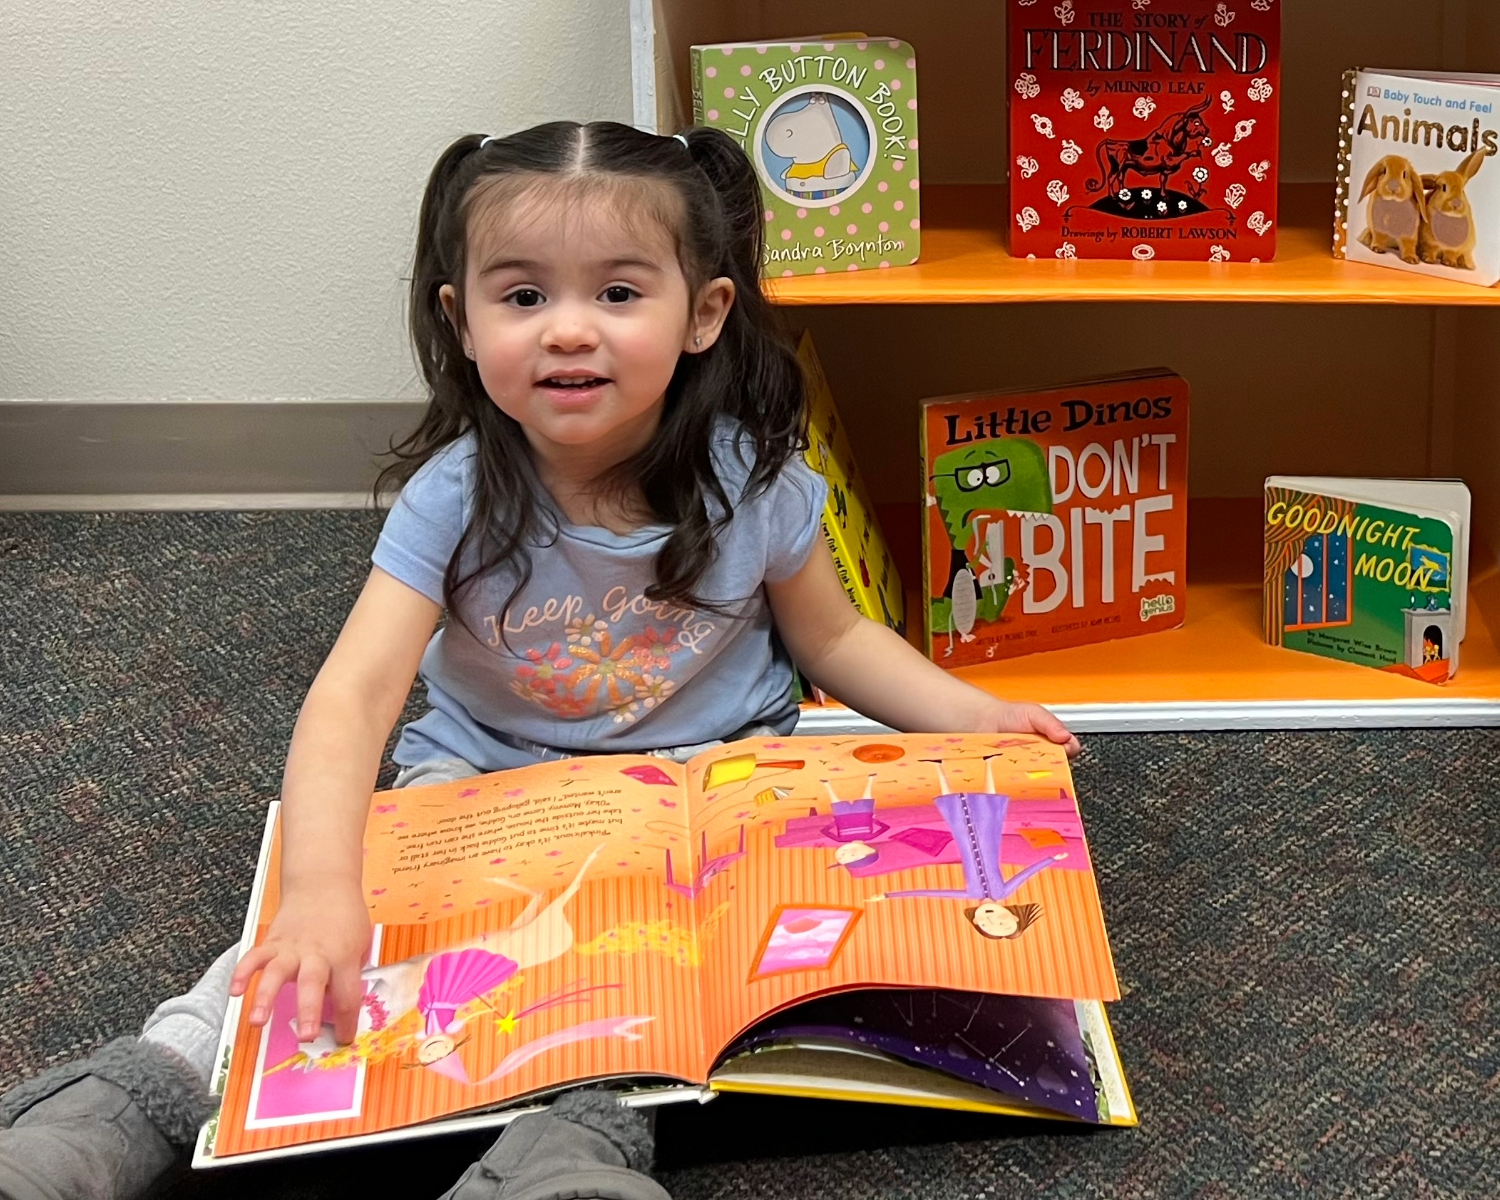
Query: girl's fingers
[1046,724]
[312,980]
[272,976]
[252,961]
[348,992]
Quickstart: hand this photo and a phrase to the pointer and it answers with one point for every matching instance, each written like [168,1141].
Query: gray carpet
[1307,926]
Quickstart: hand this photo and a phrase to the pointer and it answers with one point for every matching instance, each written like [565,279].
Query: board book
[1370,571]
[1416,188]
[850,527]
[1144,130]
[1054,517]
[830,124]
[909,919]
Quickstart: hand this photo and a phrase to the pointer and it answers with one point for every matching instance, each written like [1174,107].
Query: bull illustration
[1160,154]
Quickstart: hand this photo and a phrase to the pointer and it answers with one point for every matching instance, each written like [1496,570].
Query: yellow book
[849,526]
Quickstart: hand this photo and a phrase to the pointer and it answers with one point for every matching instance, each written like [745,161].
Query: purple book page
[1030,1049]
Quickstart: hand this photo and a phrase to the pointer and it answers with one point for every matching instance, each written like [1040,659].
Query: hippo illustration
[822,164]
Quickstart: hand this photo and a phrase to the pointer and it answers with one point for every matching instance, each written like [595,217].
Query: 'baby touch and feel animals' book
[909,919]
[831,126]
[1144,129]
[1371,571]
[1416,187]
[1054,518]
[850,528]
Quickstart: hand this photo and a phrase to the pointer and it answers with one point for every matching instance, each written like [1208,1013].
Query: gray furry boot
[586,1146]
[108,1127]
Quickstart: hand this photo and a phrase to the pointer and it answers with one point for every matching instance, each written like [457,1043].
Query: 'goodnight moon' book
[1370,571]
[831,126]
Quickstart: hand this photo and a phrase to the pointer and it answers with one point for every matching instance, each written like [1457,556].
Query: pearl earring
[469,351]
[697,342]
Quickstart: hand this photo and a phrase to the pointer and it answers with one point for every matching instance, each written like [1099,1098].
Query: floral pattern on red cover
[1144,129]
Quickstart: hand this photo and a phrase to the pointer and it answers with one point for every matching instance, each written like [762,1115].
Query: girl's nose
[569,330]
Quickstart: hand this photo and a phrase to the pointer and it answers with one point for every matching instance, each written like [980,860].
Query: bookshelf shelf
[1216,671]
[964,262]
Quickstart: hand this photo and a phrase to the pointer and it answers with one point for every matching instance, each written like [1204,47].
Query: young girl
[607,497]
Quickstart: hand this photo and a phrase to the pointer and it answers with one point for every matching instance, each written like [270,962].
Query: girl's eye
[618,293]
[524,298]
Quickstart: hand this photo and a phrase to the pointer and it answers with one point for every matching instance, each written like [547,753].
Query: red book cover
[1144,129]
[1054,518]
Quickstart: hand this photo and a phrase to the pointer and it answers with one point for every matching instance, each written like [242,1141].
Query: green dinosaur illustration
[992,476]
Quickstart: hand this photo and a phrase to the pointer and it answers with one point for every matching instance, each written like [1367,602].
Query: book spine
[695,70]
[924,597]
[1343,194]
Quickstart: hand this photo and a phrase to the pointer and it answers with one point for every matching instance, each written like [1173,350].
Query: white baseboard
[66,454]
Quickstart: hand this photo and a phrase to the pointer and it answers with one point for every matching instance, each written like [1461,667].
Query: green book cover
[1360,582]
[831,126]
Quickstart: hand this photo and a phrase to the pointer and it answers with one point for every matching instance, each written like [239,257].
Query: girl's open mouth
[573,383]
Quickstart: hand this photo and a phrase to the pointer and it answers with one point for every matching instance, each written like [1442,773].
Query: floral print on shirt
[597,669]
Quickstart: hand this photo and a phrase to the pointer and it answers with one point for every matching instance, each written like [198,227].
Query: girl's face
[576,318]
[995,920]
[853,852]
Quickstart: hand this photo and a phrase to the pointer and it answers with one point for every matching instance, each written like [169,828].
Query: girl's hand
[320,938]
[1030,718]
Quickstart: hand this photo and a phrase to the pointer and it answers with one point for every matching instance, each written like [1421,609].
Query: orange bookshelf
[1302,365]
[964,262]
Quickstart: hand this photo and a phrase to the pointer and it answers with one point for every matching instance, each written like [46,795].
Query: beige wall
[212,200]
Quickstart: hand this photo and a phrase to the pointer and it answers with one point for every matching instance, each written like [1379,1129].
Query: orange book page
[524,939]
[800,894]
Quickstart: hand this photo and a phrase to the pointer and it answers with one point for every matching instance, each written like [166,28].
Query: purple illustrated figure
[867,842]
[711,868]
[977,820]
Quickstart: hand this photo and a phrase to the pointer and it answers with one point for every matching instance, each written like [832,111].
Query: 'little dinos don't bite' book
[1055,517]
[1370,571]
[908,918]
[831,127]
[1417,189]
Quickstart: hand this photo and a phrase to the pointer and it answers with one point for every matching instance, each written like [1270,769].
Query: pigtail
[751,374]
[757,358]
[445,369]
[505,516]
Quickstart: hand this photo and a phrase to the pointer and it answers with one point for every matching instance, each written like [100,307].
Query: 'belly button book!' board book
[1370,571]
[830,124]
[1416,188]
[908,919]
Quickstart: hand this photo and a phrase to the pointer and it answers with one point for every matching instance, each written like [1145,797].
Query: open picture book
[909,919]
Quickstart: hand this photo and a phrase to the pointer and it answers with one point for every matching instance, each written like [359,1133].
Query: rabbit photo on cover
[1448,231]
[1397,209]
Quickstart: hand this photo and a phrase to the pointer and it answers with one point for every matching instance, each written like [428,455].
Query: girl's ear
[710,311]
[448,298]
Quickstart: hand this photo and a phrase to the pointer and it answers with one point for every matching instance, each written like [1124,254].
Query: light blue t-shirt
[591,664]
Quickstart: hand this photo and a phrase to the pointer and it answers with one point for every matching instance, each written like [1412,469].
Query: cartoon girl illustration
[437,985]
[977,820]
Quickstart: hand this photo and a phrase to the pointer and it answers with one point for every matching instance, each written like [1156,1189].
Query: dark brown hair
[750,374]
